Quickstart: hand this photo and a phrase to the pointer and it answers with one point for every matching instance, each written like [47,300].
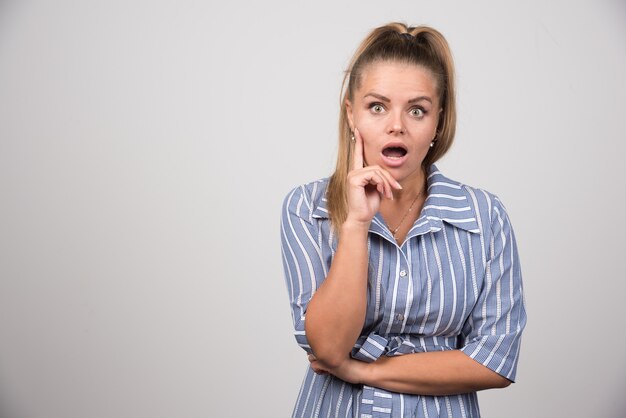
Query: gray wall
[146,146]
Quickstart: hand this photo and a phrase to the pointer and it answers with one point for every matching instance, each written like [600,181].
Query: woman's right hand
[366,186]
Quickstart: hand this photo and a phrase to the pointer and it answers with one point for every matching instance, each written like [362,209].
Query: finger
[392,181]
[375,178]
[315,366]
[384,182]
[380,187]
[357,158]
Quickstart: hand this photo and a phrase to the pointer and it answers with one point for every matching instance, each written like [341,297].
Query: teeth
[395,153]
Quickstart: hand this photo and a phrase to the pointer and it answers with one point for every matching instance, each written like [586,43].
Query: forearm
[434,373]
[336,313]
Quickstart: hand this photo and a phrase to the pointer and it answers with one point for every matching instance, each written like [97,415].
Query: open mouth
[394,152]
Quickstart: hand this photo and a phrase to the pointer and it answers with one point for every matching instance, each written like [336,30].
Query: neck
[410,188]
[400,213]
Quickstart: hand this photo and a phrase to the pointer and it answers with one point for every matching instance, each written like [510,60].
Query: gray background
[146,147]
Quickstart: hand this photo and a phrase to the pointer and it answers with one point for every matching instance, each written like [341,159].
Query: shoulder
[486,205]
[484,202]
[308,200]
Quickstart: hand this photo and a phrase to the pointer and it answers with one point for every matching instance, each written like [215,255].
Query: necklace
[395,231]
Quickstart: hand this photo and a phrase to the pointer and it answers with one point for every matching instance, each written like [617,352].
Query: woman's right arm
[336,312]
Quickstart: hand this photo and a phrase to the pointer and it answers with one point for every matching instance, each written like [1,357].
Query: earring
[432,143]
[352,139]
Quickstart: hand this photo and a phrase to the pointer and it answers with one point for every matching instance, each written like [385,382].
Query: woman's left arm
[492,334]
[435,373]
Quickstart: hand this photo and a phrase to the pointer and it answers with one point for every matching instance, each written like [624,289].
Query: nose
[396,125]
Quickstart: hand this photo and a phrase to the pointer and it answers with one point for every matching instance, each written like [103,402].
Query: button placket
[398,315]
[397,291]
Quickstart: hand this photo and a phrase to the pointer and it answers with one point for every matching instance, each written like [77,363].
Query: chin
[406,173]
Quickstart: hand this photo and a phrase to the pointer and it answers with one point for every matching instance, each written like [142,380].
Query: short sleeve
[492,333]
[303,263]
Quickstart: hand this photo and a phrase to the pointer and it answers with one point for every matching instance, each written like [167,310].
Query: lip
[394,161]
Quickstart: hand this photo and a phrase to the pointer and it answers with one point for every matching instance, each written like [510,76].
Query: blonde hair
[425,47]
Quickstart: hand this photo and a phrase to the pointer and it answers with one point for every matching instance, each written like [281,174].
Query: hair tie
[408,36]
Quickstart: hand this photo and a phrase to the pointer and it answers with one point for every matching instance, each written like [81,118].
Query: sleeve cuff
[496,352]
[372,348]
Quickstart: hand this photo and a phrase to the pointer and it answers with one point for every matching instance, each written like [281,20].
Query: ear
[439,118]
[349,114]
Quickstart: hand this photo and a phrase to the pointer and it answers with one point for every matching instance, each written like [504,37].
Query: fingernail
[399,185]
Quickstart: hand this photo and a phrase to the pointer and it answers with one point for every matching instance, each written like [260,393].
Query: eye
[377,108]
[417,112]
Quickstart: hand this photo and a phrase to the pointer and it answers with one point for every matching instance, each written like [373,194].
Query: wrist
[366,374]
[352,371]
[374,373]
[352,226]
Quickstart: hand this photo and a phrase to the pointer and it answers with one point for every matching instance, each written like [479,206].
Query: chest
[427,286]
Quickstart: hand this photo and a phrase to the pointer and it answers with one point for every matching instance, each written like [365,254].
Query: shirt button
[399,317]
[402,273]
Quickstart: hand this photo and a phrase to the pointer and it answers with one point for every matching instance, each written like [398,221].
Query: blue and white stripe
[455,283]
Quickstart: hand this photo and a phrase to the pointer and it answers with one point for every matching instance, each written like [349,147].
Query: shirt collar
[447,201]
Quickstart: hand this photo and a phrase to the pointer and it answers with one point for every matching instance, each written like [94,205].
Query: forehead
[390,77]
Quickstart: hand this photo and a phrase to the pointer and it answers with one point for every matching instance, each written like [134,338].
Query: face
[396,110]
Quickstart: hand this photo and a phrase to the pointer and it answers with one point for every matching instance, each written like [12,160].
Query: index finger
[357,158]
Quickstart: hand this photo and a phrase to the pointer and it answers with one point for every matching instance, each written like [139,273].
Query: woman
[409,281]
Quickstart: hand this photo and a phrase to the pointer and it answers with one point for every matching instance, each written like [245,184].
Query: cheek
[365,124]
[367,129]
[370,151]
[369,136]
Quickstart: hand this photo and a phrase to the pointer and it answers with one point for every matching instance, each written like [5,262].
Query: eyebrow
[420,98]
[385,99]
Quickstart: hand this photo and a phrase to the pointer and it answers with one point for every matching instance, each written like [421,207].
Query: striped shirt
[455,283]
